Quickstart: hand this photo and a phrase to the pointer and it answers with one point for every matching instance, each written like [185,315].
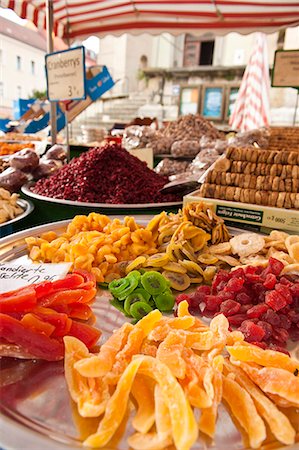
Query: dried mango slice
[281,402]
[101,364]
[277,421]
[202,340]
[143,393]
[207,421]
[115,408]
[220,327]
[275,381]
[162,416]
[183,424]
[90,394]
[244,410]
[149,441]
[170,353]
[181,323]
[148,323]
[266,358]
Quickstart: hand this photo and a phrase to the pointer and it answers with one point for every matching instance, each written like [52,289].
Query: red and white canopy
[81,18]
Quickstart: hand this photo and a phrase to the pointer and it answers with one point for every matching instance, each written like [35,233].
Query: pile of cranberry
[259,302]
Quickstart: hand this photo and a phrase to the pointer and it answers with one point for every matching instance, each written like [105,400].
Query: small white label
[14,275]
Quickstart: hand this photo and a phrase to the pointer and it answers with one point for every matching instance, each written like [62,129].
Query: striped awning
[75,19]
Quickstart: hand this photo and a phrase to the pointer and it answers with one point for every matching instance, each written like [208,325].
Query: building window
[18,63]
[32,68]
[197,52]
[19,91]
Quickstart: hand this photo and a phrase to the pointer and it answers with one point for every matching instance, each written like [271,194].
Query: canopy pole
[50,48]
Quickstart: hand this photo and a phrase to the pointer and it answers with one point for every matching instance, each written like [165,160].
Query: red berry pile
[258,301]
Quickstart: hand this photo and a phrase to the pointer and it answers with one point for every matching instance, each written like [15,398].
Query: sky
[92,43]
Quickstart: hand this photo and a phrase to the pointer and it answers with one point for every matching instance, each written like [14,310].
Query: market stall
[127,326]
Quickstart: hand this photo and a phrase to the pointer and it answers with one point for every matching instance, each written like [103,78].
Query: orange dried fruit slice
[266,358]
[207,421]
[170,353]
[162,416]
[244,410]
[90,394]
[149,441]
[116,407]
[275,381]
[277,421]
[99,365]
[143,393]
[199,340]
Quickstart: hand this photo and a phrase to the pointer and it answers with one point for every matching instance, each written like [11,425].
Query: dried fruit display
[254,175]
[9,209]
[174,369]
[106,175]
[263,303]
[8,149]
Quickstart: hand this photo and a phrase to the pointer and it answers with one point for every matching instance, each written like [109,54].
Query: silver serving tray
[27,206]
[37,412]
[27,191]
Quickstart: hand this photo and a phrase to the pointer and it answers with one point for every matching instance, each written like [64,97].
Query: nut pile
[9,209]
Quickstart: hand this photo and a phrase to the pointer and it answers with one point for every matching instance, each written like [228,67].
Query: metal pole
[50,48]
[67,135]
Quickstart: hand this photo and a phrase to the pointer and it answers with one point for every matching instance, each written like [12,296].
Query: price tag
[66,78]
[14,275]
[286,69]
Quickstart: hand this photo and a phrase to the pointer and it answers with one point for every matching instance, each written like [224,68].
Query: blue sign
[212,105]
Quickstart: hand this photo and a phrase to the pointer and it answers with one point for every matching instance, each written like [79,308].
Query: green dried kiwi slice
[165,301]
[132,282]
[118,305]
[157,260]
[153,282]
[117,287]
[132,298]
[139,290]
[139,310]
[178,281]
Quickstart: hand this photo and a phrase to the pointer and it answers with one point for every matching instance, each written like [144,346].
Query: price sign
[286,69]
[65,72]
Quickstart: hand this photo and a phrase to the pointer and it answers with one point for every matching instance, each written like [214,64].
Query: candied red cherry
[251,331]
[257,310]
[245,308]
[285,322]
[280,334]
[237,273]
[275,300]
[204,289]
[270,281]
[285,292]
[208,313]
[237,319]
[278,348]
[212,302]
[275,265]
[230,307]
[293,316]
[295,290]
[271,317]
[182,297]
[261,344]
[243,298]
[267,327]
[234,285]
[250,270]
[253,278]
[285,281]
[220,280]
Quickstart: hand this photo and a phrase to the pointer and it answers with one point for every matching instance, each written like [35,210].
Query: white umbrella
[251,109]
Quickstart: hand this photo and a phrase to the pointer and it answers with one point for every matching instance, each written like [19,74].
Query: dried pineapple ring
[229,260]
[294,251]
[136,264]
[291,240]
[246,244]
[244,410]
[175,267]
[223,247]
[192,267]
[157,260]
[208,259]
[178,281]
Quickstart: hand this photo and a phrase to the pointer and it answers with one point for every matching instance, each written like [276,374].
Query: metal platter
[27,191]
[27,206]
[37,412]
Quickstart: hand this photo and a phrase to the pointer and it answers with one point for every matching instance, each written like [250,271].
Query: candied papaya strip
[87,334]
[277,421]
[19,300]
[33,342]
[199,340]
[183,311]
[72,296]
[61,321]
[275,381]
[149,441]
[220,327]
[143,393]
[183,424]
[162,416]
[208,418]
[244,410]
[266,358]
[32,321]
[115,408]
[90,394]
[99,365]
[170,353]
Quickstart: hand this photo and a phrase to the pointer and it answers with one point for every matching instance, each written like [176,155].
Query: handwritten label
[66,74]
[286,68]
[14,275]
